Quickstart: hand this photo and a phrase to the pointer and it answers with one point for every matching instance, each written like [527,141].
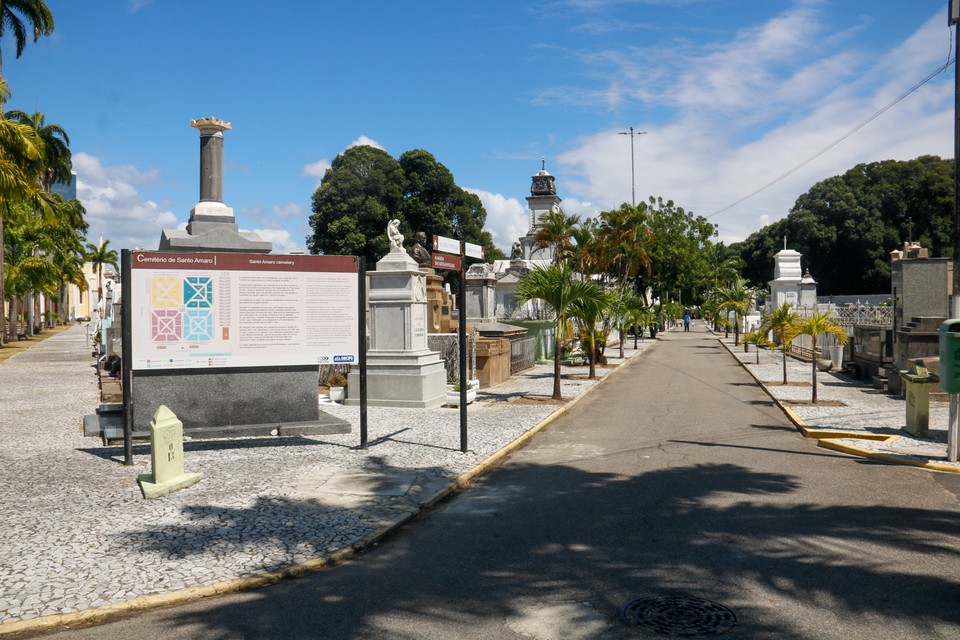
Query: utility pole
[953,426]
[633,173]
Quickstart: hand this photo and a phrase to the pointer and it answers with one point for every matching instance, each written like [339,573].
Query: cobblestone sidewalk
[76,533]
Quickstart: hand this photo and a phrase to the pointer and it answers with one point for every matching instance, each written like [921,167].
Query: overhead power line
[830,146]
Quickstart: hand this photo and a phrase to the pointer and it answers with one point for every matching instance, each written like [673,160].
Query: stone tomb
[401,370]
[166,457]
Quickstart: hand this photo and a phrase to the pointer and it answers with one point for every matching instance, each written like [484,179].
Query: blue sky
[732,95]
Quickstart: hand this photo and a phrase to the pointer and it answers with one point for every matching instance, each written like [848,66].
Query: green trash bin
[917,382]
[950,356]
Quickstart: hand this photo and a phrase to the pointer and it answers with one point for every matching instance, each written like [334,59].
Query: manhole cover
[678,616]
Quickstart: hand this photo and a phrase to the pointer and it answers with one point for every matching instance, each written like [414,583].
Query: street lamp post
[633,173]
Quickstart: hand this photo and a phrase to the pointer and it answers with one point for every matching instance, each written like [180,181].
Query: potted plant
[337,383]
[453,392]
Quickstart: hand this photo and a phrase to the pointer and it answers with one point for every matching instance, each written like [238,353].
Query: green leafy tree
[846,225]
[679,251]
[360,193]
[553,285]
[782,321]
[814,326]
[365,188]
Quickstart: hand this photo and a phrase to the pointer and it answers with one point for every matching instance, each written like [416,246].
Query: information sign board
[204,310]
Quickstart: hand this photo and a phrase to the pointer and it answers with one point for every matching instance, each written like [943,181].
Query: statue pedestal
[401,370]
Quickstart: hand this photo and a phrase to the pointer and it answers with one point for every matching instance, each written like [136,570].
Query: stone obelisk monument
[233,401]
[212,226]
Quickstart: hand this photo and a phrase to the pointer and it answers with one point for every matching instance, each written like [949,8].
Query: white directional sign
[449,245]
[473,250]
[446,245]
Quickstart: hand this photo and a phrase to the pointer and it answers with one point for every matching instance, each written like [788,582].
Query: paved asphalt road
[676,477]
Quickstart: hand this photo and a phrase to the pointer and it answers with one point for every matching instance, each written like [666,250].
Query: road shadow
[716,531]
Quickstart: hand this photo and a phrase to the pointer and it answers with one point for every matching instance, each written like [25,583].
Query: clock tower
[542,200]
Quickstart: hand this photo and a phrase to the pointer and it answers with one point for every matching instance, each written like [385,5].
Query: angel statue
[393,233]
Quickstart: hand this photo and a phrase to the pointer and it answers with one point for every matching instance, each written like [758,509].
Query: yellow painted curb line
[887,457]
[182,596]
[826,438]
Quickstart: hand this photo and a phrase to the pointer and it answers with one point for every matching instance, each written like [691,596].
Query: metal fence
[522,353]
[864,314]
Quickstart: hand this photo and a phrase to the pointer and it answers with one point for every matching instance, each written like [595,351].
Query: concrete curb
[827,439]
[183,596]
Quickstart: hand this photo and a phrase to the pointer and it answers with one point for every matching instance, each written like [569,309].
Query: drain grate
[678,616]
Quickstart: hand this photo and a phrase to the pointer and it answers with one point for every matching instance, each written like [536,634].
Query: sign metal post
[443,260]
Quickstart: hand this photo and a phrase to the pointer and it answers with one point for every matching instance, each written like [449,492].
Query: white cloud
[316,170]
[705,159]
[282,242]
[365,141]
[506,218]
[115,209]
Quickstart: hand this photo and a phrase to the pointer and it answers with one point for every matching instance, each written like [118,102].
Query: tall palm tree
[782,322]
[584,239]
[53,167]
[625,238]
[68,254]
[20,152]
[815,325]
[56,163]
[22,17]
[101,256]
[552,284]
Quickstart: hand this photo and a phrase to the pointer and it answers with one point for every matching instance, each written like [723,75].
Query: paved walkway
[851,416]
[76,534]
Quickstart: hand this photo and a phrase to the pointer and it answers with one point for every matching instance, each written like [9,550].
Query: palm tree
[37,16]
[53,167]
[26,272]
[734,297]
[56,164]
[758,338]
[588,309]
[622,308]
[782,322]
[20,152]
[814,325]
[625,236]
[552,285]
[101,256]
[556,229]
[68,253]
